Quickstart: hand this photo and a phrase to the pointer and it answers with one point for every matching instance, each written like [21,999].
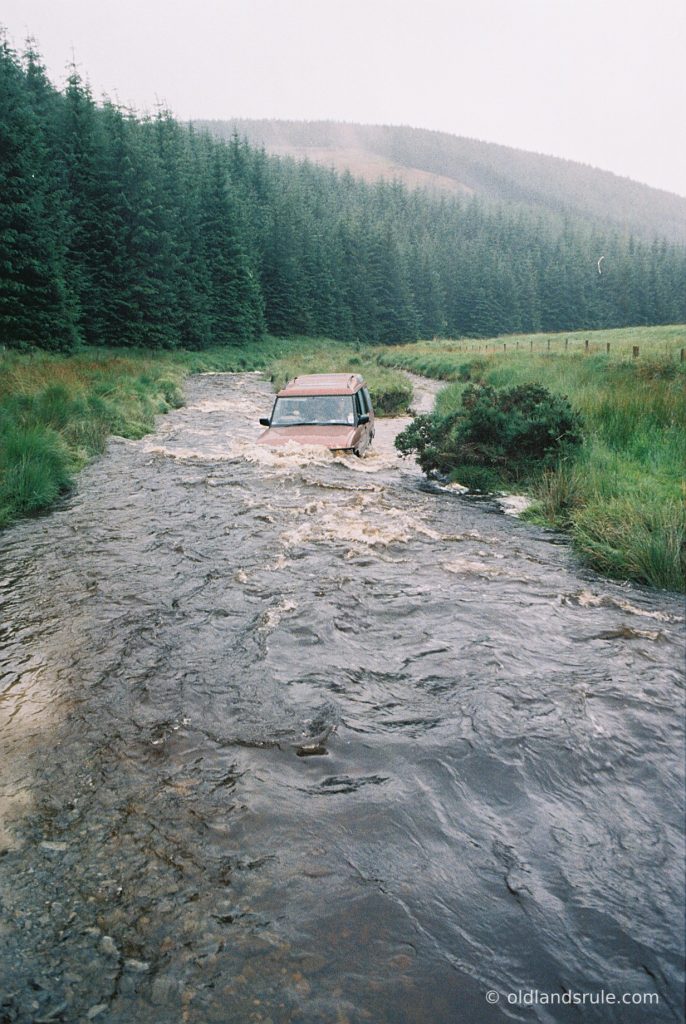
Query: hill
[462,166]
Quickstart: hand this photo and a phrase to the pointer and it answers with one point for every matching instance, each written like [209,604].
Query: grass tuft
[34,469]
[641,539]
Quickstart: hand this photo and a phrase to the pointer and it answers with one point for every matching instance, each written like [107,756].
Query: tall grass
[56,412]
[622,498]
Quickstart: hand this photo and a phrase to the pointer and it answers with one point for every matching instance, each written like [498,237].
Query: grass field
[442,357]
[56,412]
[622,498]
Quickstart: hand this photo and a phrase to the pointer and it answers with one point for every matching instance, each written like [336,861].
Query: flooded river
[294,738]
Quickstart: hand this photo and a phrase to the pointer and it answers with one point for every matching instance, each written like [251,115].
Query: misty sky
[600,81]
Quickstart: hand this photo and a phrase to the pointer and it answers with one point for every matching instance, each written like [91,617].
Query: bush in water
[513,432]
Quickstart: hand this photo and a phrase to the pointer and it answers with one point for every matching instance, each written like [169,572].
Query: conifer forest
[128,230]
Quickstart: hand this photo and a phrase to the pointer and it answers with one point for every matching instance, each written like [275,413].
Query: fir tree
[36,305]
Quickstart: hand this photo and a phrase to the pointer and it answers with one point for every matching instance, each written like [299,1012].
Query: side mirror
[264,421]
[364,418]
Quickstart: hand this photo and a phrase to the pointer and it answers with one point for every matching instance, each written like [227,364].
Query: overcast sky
[600,81]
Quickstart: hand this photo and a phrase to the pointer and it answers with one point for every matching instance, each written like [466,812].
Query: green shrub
[391,394]
[513,432]
[634,418]
[425,437]
[477,478]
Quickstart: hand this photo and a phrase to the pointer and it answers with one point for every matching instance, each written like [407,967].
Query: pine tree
[234,297]
[82,152]
[37,306]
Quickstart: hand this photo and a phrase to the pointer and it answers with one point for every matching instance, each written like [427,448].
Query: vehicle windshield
[306,410]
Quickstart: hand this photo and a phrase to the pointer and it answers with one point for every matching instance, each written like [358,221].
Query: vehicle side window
[367,399]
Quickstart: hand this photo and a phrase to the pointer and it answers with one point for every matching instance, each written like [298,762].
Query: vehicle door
[367,398]
[364,431]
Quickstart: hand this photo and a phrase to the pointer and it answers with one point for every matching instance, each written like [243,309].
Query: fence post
[635,351]
[607,347]
[504,347]
[566,344]
[683,355]
[549,344]
[586,344]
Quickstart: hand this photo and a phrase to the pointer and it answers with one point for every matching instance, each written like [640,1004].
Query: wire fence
[571,346]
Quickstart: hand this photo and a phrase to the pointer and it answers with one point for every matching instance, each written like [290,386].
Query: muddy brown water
[493,797]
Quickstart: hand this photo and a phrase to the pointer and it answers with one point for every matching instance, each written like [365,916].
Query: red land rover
[329,409]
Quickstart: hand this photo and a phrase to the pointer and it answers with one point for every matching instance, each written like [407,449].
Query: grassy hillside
[622,498]
[458,165]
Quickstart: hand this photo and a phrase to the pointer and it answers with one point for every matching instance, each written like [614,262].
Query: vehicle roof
[323,384]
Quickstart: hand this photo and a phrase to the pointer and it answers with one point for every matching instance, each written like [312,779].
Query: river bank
[621,498]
